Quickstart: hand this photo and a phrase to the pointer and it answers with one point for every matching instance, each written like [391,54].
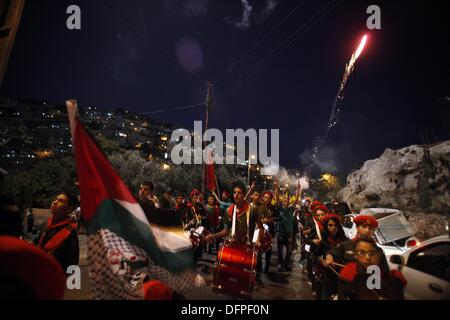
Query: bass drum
[234,271]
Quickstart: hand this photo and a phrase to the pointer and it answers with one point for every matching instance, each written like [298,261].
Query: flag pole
[217,184]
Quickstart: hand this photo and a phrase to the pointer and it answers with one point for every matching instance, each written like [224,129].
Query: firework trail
[336,107]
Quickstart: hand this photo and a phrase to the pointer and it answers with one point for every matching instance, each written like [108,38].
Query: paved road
[276,285]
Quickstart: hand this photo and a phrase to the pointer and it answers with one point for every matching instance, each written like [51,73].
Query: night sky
[151,55]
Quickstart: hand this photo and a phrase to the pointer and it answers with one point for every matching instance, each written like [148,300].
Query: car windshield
[393,227]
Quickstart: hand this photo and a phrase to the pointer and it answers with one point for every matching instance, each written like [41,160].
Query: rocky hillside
[415,179]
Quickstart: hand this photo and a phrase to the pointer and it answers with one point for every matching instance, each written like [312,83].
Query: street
[276,285]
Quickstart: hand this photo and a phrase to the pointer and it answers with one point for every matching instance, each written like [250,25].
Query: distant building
[35,130]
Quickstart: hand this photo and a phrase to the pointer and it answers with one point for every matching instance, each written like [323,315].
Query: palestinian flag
[124,250]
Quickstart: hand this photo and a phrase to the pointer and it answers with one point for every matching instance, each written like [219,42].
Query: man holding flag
[124,250]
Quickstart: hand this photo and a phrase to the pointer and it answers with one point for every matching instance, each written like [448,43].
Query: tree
[108,146]
[134,169]
[38,187]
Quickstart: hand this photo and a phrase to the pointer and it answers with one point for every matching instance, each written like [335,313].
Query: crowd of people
[335,265]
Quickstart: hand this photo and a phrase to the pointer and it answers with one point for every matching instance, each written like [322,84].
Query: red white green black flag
[123,248]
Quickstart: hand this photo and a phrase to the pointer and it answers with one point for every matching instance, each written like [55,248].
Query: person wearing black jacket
[332,235]
[344,252]
[355,278]
[312,237]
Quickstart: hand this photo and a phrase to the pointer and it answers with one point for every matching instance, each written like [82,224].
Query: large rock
[412,179]
[428,225]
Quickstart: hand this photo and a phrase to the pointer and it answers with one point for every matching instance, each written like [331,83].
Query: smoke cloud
[267,11]
[284,177]
[245,21]
[325,161]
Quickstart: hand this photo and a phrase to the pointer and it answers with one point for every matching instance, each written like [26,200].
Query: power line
[175,108]
[325,10]
[260,41]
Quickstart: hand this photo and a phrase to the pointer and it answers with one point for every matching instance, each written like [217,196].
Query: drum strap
[248,225]
[233,226]
[319,235]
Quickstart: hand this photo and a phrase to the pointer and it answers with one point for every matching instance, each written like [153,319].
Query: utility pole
[209,105]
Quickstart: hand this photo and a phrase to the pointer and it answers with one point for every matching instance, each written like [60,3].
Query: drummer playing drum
[247,218]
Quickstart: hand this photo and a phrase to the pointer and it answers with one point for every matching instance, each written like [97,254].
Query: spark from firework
[337,104]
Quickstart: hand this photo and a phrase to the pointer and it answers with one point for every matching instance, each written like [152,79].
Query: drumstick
[334,263]
[338,264]
[332,269]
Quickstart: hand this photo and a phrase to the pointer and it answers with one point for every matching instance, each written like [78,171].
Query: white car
[394,234]
[426,269]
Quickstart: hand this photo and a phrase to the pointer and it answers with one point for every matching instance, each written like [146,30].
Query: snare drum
[266,241]
[234,271]
[197,237]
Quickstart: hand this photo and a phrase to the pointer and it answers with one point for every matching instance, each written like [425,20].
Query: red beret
[33,266]
[330,216]
[269,193]
[366,219]
[156,290]
[322,208]
[314,204]
[194,192]
[226,193]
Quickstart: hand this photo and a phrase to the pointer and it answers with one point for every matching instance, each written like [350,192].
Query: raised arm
[249,192]
[215,196]
[276,190]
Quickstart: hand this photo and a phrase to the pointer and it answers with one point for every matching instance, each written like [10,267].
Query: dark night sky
[126,56]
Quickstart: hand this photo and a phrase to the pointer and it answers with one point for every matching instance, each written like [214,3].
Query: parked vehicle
[394,234]
[426,269]
[339,208]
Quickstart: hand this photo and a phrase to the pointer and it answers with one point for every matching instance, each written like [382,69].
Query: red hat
[194,192]
[156,290]
[314,204]
[33,266]
[270,193]
[322,208]
[330,216]
[226,193]
[366,219]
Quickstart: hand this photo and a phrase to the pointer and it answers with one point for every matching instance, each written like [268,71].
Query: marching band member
[344,252]
[262,211]
[332,235]
[284,229]
[354,275]
[240,220]
[212,216]
[268,213]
